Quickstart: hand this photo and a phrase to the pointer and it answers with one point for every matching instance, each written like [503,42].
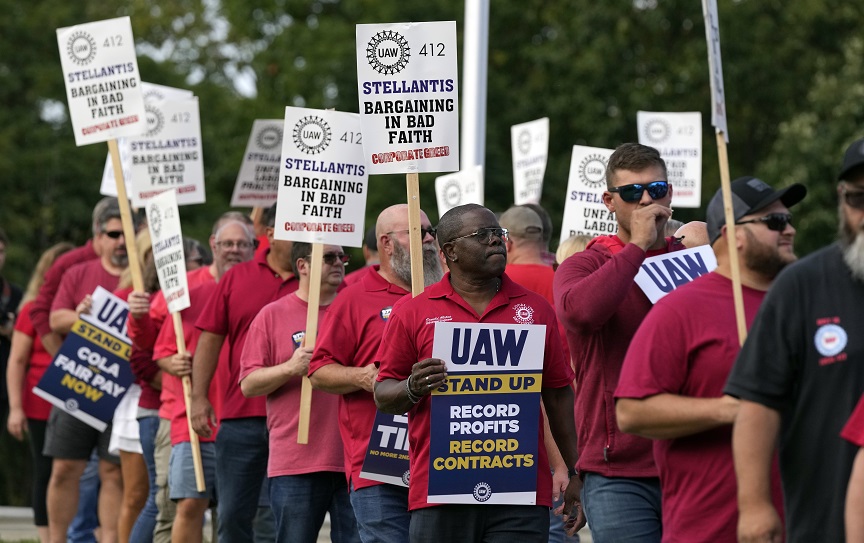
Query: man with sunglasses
[306,481]
[799,376]
[477,290]
[601,307]
[344,364]
[671,385]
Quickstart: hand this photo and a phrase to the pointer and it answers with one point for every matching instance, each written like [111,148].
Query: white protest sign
[678,138]
[103,85]
[322,179]
[584,210]
[408,88]
[456,189]
[152,93]
[163,220]
[660,275]
[715,65]
[530,144]
[258,178]
[169,154]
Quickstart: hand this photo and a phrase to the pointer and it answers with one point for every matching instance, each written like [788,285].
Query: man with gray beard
[799,376]
[344,363]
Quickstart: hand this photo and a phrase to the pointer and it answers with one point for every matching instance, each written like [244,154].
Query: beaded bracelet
[411,397]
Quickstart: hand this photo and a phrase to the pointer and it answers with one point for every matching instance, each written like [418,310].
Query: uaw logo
[657,131]
[523,141]
[81,48]
[297,338]
[154,217]
[452,193]
[388,52]
[524,314]
[592,171]
[71,405]
[385,313]
[155,120]
[482,491]
[406,478]
[153,95]
[830,340]
[269,137]
[312,135]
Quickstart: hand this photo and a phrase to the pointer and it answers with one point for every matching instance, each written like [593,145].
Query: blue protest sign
[387,456]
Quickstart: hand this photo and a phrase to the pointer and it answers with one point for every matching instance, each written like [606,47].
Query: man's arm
[667,416]
[559,409]
[855,500]
[203,368]
[338,379]
[391,395]
[754,439]
[263,381]
[62,319]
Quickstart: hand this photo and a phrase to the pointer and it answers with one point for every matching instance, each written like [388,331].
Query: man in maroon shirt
[601,307]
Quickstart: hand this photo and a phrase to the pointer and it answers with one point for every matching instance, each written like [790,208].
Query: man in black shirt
[799,375]
[10,297]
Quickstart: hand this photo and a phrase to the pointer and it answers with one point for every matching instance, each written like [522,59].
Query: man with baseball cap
[799,376]
[671,384]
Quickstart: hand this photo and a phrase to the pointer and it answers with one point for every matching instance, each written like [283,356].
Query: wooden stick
[187,399]
[309,339]
[726,187]
[256,215]
[126,218]
[415,239]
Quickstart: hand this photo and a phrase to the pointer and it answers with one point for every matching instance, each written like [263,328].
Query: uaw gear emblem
[482,491]
[297,338]
[524,314]
[830,340]
[592,171]
[385,313]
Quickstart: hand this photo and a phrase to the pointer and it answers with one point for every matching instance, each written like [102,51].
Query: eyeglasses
[332,258]
[227,244]
[484,235]
[423,231]
[113,234]
[633,193]
[853,198]
[774,221]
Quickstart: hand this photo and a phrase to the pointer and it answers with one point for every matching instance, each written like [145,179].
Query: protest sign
[715,65]
[323,180]
[584,210]
[163,220]
[660,275]
[408,88]
[485,419]
[152,93]
[169,154]
[456,189]
[90,373]
[103,85]
[678,138]
[387,456]
[530,144]
[258,178]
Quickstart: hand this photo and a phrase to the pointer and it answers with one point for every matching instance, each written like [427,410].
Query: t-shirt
[601,307]
[273,337]
[535,277]
[352,340]
[686,346]
[410,333]
[241,293]
[854,429]
[34,407]
[804,357]
[81,280]
[41,308]
[356,275]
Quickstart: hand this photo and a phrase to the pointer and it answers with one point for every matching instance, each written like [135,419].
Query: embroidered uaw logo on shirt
[385,313]
[297,338]
[524,314]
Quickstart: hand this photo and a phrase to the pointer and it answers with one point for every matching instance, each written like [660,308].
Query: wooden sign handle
[187,399]
[126,217]
[415,239]
[726,187]
[309,339]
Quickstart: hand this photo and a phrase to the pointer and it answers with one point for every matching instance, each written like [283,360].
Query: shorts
[68,438]
[181,473]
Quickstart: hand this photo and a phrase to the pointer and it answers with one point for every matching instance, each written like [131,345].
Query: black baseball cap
[749,195]
[853,158]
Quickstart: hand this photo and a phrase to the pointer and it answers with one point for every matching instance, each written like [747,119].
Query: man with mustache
[799,376]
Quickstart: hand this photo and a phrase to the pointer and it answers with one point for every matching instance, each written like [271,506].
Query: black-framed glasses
[332,258]
[774,221]
[228,244]
[853,198]
[431,230]
[484,235]
[633,193]
[113,234]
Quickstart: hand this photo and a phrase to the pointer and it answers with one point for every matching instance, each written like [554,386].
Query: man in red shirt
[241,444]
[601,307]
[475,291]
[344,363]
[671,385]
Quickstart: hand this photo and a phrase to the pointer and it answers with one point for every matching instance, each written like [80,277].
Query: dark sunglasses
[332,258]
[774,221]
[633,193]
[113,234]
[423,231]
[853,198]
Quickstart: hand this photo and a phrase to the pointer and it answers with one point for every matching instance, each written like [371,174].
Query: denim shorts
[181,473]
